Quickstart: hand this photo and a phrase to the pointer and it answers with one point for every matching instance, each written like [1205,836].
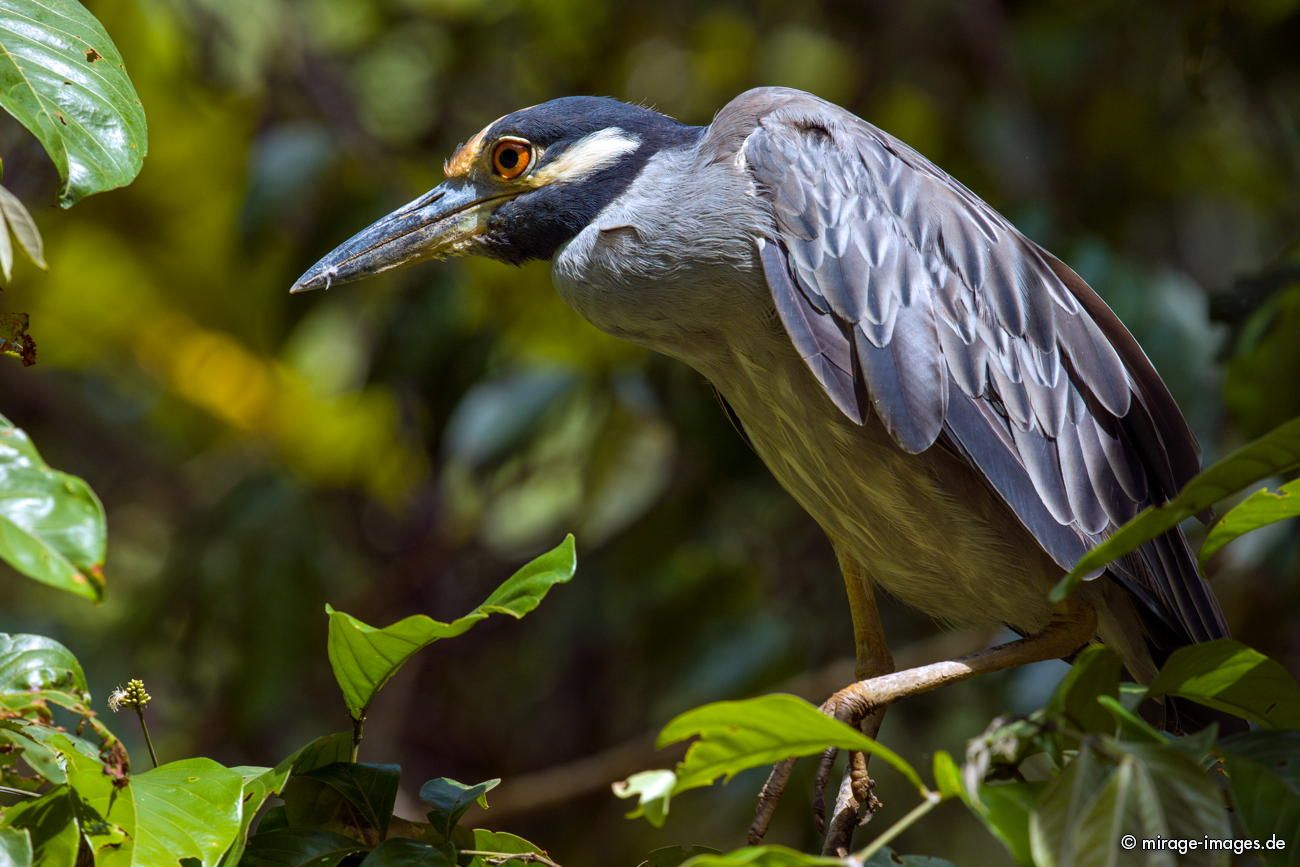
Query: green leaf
[260,784]
[51,823]
[364,658]
[1278,751]
[1095,673]
[499,842]
[15,847]
[36,664]
[1114,789]
[1229,676]
[1006,811]
[1260,509]
[653,791]
[410,853]
[298,847]
[1131,726]
[1276,452]
[62,77]
[737,735]
[1267,803]
[186,809]
[356,799]
[105,810]
[450,799]
[675,856]
[780,856]
[947,776]
[15,218]
[764,856]
[51,523]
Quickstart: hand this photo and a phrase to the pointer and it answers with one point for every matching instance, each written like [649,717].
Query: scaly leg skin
[873,659]
[1072,626]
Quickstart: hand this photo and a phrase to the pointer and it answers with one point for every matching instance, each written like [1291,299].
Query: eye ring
[511,157]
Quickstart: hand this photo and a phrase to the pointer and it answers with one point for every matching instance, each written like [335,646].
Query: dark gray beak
[442,223]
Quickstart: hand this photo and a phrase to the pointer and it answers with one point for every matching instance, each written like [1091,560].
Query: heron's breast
[925,527]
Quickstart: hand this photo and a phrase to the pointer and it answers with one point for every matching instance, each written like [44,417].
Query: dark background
[401,446]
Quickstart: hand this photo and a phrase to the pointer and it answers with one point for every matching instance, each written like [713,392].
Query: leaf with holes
[52,525]
[186,809]
[62,77]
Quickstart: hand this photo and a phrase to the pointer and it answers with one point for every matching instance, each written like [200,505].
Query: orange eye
[511,157]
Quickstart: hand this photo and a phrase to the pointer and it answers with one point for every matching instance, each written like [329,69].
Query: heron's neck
[671,263]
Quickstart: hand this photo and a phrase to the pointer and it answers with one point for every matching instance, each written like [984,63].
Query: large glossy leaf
[62,77]
[364,657]
[1276,452]
[51,523]
[1260,509]
[1230,676]
[186,809]
[36,665]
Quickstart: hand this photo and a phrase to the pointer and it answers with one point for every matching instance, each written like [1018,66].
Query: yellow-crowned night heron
[956,408]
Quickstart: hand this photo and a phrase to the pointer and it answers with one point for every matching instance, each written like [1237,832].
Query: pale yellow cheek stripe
[587,156]
[584,157]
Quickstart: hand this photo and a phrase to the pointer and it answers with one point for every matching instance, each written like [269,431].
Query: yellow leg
[873,659]
[855,801]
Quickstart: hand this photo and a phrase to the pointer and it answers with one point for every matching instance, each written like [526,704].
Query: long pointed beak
[439,224]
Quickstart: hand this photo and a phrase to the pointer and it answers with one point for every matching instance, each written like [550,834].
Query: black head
[517,190]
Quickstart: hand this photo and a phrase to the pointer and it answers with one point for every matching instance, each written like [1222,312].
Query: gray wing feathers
[965,331]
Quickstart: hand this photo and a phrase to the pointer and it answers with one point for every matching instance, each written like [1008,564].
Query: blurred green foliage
[391,447]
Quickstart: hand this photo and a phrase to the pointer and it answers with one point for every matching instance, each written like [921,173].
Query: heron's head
[517,190]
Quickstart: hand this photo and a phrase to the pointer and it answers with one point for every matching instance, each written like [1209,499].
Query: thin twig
[768,797]
[529,793]
[358,732]
[20,793]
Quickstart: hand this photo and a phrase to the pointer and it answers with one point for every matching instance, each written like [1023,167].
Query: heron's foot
[855,802]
